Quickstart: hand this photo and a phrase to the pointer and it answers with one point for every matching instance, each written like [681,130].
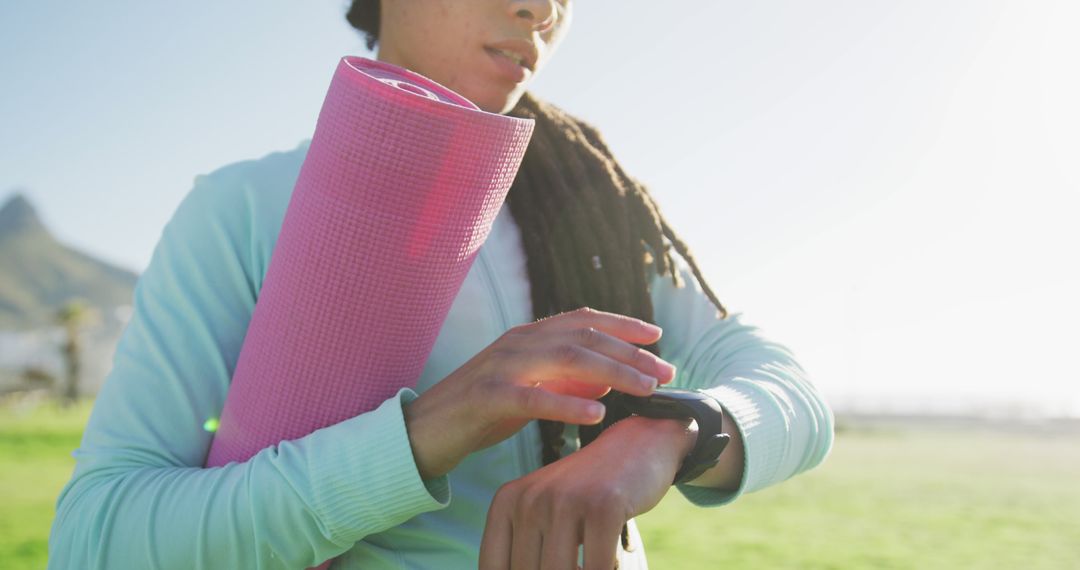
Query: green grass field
[885,498]
[927,499]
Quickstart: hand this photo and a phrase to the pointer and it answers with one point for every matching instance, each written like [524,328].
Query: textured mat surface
[401,184]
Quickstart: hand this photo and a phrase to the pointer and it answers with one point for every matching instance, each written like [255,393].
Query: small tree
[72,316]
[37,377]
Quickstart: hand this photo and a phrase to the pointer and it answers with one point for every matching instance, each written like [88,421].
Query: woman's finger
[570,360]
[625,327]
[526,546]
[495,544]
[602,535]
[531,402]
[614,348]
[560,549]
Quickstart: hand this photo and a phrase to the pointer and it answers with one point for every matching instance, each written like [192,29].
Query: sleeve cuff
[764,438]
[372,483]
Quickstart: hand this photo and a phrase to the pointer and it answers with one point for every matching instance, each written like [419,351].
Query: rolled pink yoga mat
[400,186]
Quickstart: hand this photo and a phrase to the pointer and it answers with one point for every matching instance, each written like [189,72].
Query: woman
[490,423]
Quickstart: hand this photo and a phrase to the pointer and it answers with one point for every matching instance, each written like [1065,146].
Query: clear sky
[889,188]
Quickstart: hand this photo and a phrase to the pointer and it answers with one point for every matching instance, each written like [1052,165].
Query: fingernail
[653,329]
[665,369]
[648,382]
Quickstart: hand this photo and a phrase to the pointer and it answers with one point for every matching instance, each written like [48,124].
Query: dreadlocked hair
[588,228]
[364,16]
[589,232]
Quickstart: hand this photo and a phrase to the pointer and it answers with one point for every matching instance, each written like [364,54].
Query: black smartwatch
[670,403]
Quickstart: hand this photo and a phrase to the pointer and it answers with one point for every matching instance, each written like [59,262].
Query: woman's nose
[540,13]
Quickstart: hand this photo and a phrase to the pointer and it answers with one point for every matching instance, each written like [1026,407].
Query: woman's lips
[507,67]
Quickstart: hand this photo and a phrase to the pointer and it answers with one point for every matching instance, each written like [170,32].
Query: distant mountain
[39,274]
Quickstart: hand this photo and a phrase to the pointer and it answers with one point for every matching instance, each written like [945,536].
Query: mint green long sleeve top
[139,497]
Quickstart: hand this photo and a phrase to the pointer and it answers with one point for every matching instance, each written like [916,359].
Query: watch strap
[682,404]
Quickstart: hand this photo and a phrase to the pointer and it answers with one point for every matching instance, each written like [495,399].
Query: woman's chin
[495,101]
[495,105]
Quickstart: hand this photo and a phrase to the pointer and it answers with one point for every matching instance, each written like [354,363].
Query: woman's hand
[550,369]
[539,520]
